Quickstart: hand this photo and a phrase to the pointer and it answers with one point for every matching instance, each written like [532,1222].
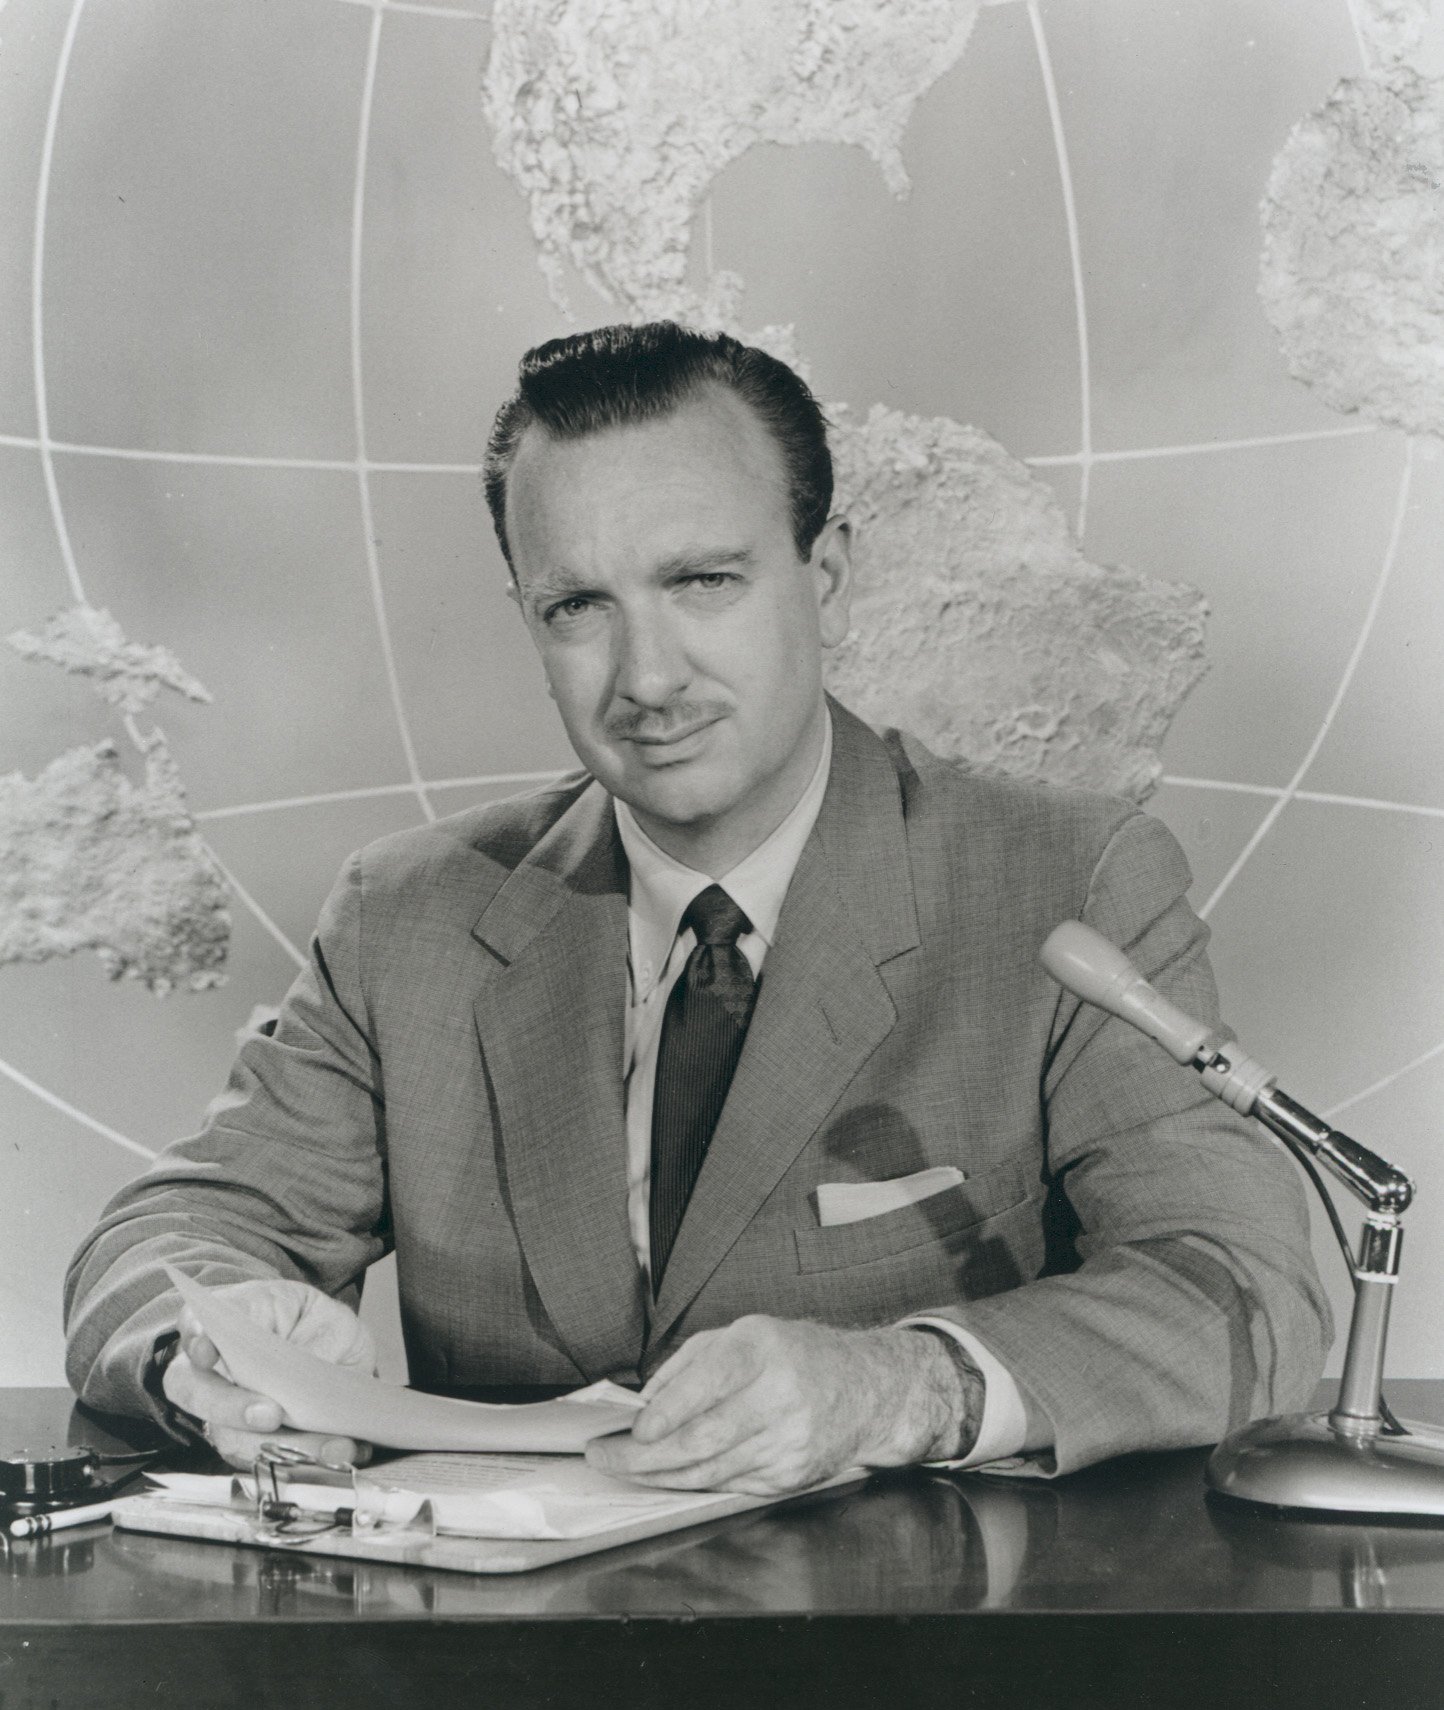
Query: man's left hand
[770,1405]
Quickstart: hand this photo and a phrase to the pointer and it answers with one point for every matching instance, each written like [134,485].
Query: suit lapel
[550,1020]
[822,1006]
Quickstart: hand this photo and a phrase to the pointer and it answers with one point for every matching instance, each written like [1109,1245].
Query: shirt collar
[661,887]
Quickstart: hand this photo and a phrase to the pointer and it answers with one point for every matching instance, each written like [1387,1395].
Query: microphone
[1344,1461]
[1086,964]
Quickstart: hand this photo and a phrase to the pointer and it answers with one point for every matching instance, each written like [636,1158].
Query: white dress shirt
[661,889]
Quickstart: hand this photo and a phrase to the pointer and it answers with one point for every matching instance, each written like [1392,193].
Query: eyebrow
[715,558]
[556,583]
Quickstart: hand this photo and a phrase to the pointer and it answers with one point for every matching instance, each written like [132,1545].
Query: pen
[38,1525]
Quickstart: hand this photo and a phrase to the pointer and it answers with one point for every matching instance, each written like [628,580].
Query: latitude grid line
[485,780]
[348,465]
[361,466]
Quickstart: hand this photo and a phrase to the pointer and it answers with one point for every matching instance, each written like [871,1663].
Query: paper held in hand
[341,1400]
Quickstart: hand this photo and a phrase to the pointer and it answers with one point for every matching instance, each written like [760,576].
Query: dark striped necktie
[703,1031]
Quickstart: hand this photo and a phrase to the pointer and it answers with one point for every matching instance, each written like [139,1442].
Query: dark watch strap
[180,1424]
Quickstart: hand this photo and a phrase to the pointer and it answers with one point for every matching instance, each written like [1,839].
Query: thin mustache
[648,727]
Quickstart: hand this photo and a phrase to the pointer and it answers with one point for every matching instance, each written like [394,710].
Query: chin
[672,796]
[674,806]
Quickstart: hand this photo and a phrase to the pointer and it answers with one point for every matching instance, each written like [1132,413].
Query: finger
[676,1364]
[333,1332]
[215,1400]
[199,1348]
[742,1466]
[713,1433]
[241,1448]
[321,1446]
[702,1388]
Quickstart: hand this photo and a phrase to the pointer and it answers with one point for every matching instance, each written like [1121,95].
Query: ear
[831,566]
[513,593]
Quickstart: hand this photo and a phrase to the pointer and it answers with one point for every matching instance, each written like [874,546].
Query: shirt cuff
[1003,1431]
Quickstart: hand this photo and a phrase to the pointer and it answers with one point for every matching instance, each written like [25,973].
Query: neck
[716,846]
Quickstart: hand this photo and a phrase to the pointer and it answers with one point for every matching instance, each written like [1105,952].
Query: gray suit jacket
[446,1079]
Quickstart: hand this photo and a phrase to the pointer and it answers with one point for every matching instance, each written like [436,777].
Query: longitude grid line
[256,909]
[1085,458]
[57,510]
[1391,552]
[424,11]
[358,401]
[1293,792]
[37,304]
[1075,260]
[66,1109]
[1366,58]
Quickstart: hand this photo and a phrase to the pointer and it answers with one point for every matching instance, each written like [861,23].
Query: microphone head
[1086,964]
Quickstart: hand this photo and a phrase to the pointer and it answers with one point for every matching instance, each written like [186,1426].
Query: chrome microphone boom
[1091,968]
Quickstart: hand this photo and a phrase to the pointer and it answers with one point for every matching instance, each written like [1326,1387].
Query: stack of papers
[475,1496]
[345,1402]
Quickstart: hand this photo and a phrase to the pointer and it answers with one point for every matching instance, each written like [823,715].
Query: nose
[650,666]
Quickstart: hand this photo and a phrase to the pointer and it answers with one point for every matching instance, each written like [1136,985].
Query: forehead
[709,469]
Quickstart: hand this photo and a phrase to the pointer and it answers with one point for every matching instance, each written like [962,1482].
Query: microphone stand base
[1300,1461]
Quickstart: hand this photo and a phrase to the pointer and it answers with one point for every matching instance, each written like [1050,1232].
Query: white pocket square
[852,1202]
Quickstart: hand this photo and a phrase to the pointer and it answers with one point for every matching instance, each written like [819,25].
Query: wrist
[959,1391]
[929,1398]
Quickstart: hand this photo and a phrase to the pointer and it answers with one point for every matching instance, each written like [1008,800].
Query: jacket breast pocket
[952,1212]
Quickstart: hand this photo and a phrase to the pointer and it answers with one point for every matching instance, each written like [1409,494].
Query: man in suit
[728,1066]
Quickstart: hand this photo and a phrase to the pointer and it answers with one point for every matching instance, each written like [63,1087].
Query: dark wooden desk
[1120,1586]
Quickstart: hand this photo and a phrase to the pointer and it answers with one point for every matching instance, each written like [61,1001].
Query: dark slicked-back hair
[618,376]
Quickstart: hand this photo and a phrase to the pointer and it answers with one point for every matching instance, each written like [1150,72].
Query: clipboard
[265,1517]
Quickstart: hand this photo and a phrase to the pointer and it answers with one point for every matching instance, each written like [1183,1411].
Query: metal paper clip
[279,1520]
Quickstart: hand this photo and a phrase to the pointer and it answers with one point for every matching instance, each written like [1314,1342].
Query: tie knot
[715,918]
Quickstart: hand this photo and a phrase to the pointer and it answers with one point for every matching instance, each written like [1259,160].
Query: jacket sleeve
[287,1178]
[1195,1305]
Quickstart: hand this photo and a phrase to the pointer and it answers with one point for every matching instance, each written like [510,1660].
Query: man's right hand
[239,1420]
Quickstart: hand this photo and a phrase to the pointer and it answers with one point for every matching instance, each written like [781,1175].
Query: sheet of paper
[529,1496]
[318,1396]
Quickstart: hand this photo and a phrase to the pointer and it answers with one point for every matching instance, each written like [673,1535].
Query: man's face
[680,633]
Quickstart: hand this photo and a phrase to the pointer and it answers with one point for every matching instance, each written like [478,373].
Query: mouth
[662,747]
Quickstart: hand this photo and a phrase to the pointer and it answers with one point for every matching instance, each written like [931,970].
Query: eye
[571,608]
[710,581]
